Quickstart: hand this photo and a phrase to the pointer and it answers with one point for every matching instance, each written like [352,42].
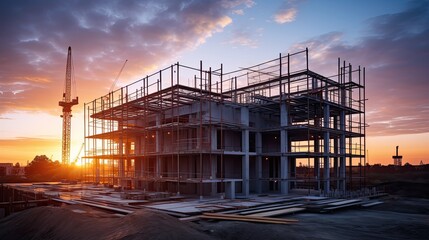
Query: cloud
[236,3]
[286,13]
[395,53]
[36,35]
[245,37]
[238,12]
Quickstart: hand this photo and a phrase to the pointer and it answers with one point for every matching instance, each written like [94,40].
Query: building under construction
[203,131]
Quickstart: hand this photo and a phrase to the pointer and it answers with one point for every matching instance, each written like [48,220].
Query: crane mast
[67,104]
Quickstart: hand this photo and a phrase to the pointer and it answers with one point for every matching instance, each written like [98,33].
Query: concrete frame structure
[205,132]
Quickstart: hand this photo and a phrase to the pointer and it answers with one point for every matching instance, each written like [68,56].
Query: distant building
[6,169]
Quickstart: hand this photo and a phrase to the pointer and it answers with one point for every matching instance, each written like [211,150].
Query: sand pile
[64,223]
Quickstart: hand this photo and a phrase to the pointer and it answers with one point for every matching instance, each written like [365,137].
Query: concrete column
[214,173]
[336,169]
[157,150]
[158,134]
[190,143]
[336,152]
[213,138]
[97,170]
[137,173]
[292,171]
[245,149]
[284,163]
[258,143]
[121,168]
[199,140]
[326,150]
[284,149]
[342,152]
[213,158]
[137,161]
[230,190]
[127,158]
[343,141]
[317,162]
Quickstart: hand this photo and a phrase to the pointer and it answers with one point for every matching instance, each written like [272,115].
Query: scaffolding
[206,132]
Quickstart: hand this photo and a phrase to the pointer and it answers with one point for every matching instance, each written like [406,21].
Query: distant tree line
[41,169]
[44,169]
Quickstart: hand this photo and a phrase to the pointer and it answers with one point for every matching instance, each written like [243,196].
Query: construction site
[268,128]
[270,151]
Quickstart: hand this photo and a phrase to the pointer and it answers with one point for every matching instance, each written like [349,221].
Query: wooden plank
[241,216]
[342,206]
[190,219]
[329,201]
[258,207]
[245,220]
[234,217]
[378,195]
[313,198]
[277,212]
[269,209]
[370,204]
[114,209]
[63,201]
[345,202]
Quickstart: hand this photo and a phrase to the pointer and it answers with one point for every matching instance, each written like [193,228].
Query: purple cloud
[286,13]
[395,53]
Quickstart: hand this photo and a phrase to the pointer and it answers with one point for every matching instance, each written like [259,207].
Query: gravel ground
[397,218]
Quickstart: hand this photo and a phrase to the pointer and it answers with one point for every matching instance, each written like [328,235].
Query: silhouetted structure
[67,103]
[397,160]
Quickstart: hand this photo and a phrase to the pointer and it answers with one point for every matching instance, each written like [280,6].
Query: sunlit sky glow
[389,38]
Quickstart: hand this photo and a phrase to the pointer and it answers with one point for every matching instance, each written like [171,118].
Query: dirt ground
[397,218]
[81,222]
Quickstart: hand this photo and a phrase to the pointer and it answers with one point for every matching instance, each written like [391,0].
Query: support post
[157,150]
[284,149]
[258,143]
[326,150]
[213,160]
[245,149]
[342,152]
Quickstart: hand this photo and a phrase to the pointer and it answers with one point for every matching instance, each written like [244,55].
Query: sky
[388,37]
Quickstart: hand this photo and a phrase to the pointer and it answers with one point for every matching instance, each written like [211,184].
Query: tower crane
[117,77]
[67,104]
[78,154]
